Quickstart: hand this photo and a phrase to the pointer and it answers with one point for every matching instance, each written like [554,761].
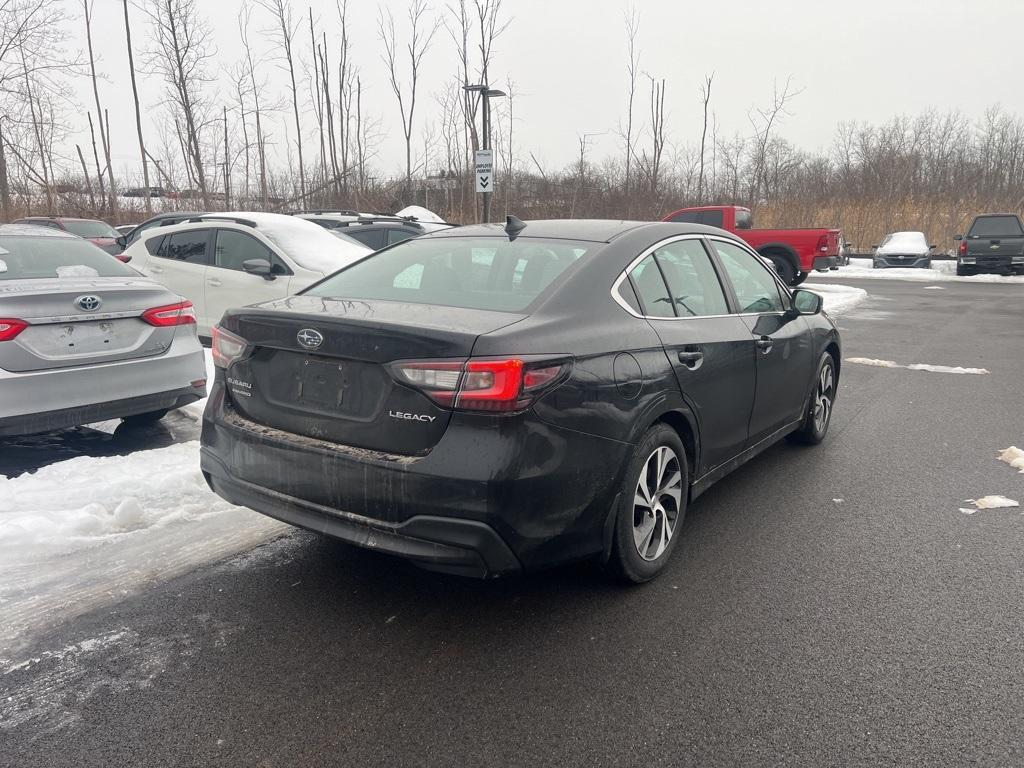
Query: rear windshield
[473,273]
[24,258]
[996,226]
[90,228]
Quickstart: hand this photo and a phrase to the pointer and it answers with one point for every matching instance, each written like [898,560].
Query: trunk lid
[341,390]
[63,334]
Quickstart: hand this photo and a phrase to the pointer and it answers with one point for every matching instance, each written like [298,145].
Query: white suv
[221,261]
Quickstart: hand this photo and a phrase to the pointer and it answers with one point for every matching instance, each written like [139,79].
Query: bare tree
[285,29]
[138,113]
[256,88]
[632,68]
[657,131]
[764,121]
[183,51]
[705,92]
[421,33]
[87,6]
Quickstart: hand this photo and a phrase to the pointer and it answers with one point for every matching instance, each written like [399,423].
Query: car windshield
[996,226]
[90,228]
[906,240]
[313,247]
[473,273]
[24,258]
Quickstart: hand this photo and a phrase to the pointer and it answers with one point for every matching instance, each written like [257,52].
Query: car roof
[593,230]
[30,230]
[57,218]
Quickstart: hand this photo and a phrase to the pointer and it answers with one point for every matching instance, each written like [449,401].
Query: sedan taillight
[498,386]
[226,347]
[10,327]
[182,313]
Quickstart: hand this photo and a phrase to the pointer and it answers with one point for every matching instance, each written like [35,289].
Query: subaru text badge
[309,338]
[88,303]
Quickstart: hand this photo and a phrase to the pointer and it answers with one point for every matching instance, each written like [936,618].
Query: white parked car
[221,261]
[903,249]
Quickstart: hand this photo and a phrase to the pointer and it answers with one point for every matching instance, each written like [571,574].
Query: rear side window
[691,279]
[475,273]
[153,245]
[755,288]
[996,226]
[188,246]
[651,289]
[41,257]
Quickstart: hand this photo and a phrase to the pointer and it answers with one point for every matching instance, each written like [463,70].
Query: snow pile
[1013,456]
[989,502]
[916,366]
[941,271]
[82,532]
[838,298]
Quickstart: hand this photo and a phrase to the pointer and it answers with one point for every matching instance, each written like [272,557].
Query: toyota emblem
[88,303]
[309,338]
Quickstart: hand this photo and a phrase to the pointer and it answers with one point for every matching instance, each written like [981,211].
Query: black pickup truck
[994,243]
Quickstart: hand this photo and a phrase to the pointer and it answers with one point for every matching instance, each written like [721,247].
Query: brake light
[226,347]
[9,328]
[823,243]
[499,386]
[182,313]
[962,249]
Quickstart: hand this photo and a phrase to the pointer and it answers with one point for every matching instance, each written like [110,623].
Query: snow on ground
[915,366]
[88,531]
[1013,456]
[989,502]
[941,271]
[838,298]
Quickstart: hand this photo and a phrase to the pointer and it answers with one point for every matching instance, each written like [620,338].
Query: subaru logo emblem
[88,303]
[309,338]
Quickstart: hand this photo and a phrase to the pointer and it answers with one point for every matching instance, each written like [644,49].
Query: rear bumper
[63,418]
[451,545]
[986,263]
[483,501]
[822,263]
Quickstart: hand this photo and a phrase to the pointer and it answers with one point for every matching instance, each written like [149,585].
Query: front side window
[474,273]
[755,288]
[188,246]
[233,249]
[692,282]
[651,289]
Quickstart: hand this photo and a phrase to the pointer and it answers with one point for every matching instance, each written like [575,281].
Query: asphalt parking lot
[826,606]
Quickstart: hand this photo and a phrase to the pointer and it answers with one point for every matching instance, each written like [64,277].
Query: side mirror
[807,302]
[958,237]
[931,247]
[260,267]
[122,240]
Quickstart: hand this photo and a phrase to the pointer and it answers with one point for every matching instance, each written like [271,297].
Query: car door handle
[691,358]
[214,282]
[765,344]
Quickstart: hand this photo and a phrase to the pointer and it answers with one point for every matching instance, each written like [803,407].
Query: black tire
[783,266]
[963,271]
[800,277]
[144,419]
[813,429]
[626,562]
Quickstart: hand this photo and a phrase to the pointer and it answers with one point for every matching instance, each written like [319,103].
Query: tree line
[227,139]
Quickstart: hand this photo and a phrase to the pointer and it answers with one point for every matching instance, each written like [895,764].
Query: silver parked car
[903,249]
[85,338]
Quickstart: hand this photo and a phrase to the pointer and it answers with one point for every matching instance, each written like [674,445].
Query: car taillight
[124,258]
[9,328]
[226,347]
[823,243]
[962,249]
[509,384]
[182,313]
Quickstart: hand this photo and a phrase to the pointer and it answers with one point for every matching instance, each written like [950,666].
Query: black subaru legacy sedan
[490,399]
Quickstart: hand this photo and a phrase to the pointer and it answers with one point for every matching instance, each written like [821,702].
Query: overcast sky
[867,60]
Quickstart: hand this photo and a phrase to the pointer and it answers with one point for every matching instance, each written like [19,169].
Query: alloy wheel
[656,503]
[823,397]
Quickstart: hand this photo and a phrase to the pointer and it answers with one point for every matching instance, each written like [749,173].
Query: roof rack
[219,217]
[320,211]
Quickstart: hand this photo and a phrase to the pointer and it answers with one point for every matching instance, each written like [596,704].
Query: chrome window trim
[624,275]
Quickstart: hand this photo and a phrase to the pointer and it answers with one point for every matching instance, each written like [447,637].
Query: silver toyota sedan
[85,338]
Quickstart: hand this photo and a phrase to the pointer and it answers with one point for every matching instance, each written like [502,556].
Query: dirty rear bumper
[451,545]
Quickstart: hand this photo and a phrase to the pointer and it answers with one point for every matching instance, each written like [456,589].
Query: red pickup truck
[794,252]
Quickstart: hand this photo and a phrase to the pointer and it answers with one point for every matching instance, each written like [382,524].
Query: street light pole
[486,94]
